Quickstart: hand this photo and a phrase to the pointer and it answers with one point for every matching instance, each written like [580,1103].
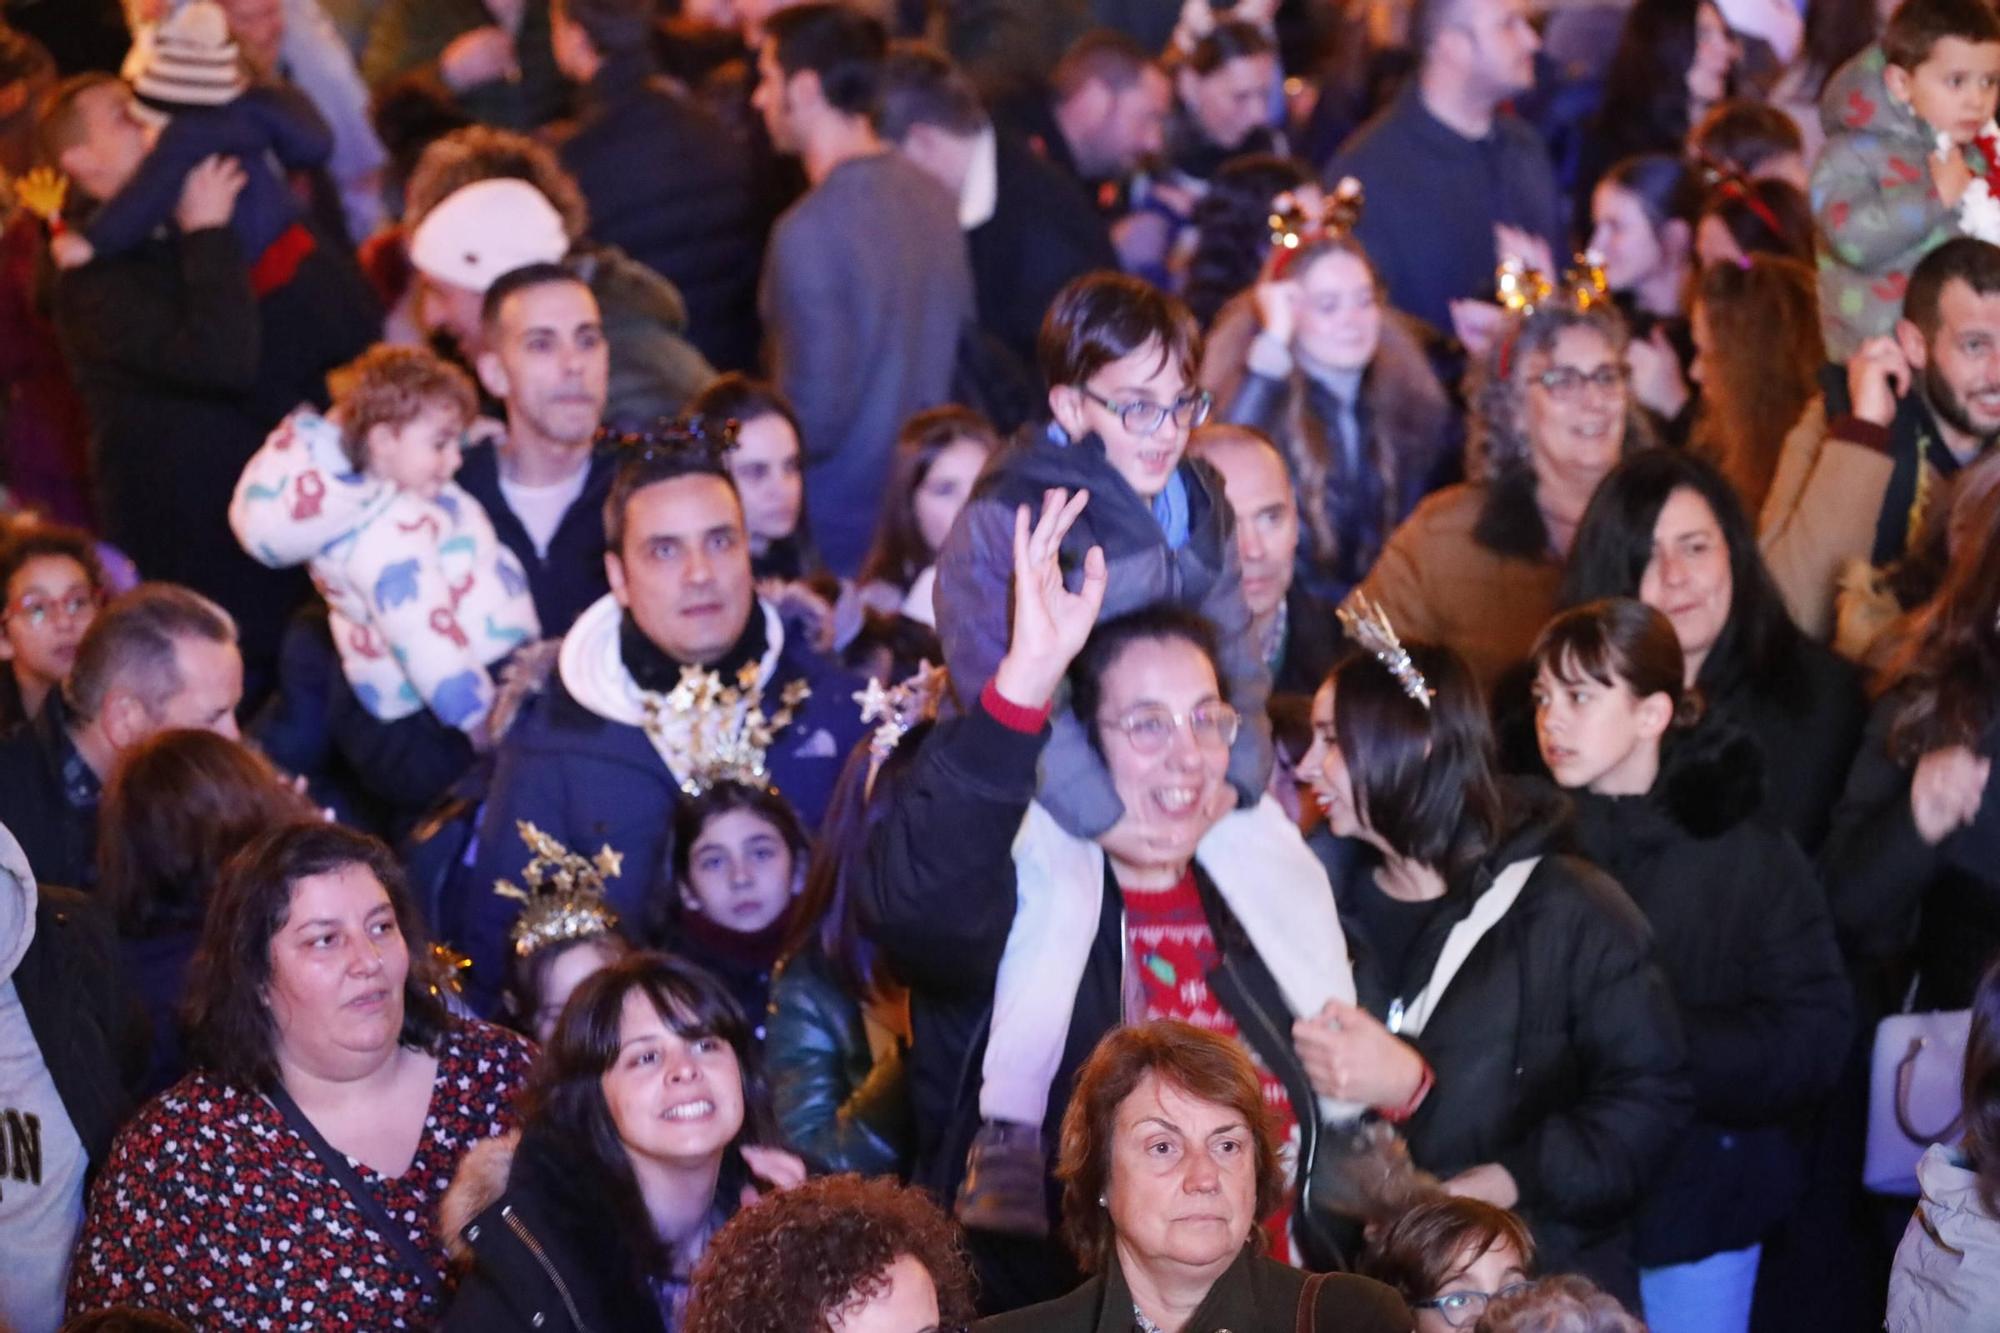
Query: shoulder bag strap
[393,1233]
[1309,1301]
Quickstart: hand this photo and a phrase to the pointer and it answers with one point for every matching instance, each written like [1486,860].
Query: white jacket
[1946,1278]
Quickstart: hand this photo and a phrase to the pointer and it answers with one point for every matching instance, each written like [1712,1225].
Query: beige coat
[1819,515]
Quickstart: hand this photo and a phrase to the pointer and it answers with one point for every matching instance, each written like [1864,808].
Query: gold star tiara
[716,732]
[564,897]
[1368,625]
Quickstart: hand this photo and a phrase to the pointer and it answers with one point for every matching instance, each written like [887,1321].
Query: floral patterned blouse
[213,1210]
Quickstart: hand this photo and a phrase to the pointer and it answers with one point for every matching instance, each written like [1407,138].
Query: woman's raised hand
[1050,622]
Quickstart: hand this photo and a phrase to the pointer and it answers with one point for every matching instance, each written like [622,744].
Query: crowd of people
[746,666]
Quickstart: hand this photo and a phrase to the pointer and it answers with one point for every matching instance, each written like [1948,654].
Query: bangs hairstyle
[1162,622]
[1200,1064]
[1102,317]
[1437,1239]
[1423,777]
[565,1102]
[692,815]
[1619,641]
[900,553]
[229,1024]
[390,386]
[35,539]
[1917,26]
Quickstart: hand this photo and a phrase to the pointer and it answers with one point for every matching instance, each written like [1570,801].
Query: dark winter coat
[690,216]
[1557,1050]
[975,569]
[1741,929]
[838,1107]
[571,576]
[73,994]
[527,1216]
[938,894]
[1896,898]
[59,838]
[1255,1294]
[1313,643]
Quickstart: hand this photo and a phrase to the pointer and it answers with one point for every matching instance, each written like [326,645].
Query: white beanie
[485,229]
[191,59]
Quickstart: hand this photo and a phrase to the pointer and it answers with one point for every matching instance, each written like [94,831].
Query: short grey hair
[130,646]
[1497,387]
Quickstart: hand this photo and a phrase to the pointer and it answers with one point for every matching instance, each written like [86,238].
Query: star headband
[697,435]
[720,733]
[564,897]
[1368,625]
[898,708]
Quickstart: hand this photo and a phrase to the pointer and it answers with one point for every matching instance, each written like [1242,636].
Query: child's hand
[70,250]
[208,195]
[1951,174]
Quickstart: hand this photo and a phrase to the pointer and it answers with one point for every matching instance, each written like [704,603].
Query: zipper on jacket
[526,1237]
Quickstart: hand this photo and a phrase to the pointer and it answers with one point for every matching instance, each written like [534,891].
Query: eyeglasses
[1150,729]
[1565,383]
[39,611]
[1461,1309]
[1143,418]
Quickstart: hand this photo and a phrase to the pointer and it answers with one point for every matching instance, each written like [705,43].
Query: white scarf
[1409,1021]
[594,673]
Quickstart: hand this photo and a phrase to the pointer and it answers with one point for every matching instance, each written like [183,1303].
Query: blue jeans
[1710,1295]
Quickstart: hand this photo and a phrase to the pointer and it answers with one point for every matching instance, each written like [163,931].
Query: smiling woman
[333,1096]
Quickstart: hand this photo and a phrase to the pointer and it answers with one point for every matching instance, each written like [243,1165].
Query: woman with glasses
[1022,946]
[1168,1159]
[53,586]
[1449,1256]
[1477,565]
[1314,357]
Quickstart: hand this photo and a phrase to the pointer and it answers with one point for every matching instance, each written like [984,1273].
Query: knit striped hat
[192,60]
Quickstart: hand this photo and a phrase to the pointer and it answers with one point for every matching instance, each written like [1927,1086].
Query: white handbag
[1916,1094]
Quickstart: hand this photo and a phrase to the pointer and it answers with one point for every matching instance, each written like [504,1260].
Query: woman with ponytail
[1666,802]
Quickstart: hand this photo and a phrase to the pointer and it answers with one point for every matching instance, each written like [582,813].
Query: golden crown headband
[1368,625]
[1523,289]
[720,733]
[564,897]
[897,709]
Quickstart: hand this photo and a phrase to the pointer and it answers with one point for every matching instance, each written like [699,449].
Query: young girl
[939,454]
[424,600]
[1671,809]
[739,863]
[53,586]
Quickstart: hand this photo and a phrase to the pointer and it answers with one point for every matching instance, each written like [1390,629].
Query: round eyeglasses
[1141,417]
[1566,384]
[1150,728]
[1461,1309]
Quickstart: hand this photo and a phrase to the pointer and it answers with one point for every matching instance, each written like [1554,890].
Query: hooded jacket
[1946,1278]
[1876,207]
[975,571]
[1742,931]
[421,595]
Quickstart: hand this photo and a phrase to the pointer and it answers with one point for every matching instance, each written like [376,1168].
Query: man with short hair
[1859,478]
[1295,631]
[1445,166]
[1029,227]
[157,658]
[593,760]
[543,483]
[1103,112]
[866,293]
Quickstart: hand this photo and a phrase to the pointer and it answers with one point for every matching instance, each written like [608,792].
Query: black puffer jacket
[1556,1048]
[1741,929]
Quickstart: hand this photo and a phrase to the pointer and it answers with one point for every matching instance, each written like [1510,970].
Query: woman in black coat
[638,1144]
[1522,976]
[1667,803]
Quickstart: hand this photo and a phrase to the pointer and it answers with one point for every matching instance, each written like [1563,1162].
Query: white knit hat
[485,229]
[192,59]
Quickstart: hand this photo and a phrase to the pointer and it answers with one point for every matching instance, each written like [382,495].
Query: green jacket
[837,1107]
[1253,1295]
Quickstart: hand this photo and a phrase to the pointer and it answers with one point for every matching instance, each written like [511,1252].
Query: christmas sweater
[422,597]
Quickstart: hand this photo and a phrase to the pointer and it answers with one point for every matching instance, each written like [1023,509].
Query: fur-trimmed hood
[481,1180]
[1711,780]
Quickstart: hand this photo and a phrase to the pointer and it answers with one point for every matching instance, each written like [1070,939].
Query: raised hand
[1876,377]
[1050,622]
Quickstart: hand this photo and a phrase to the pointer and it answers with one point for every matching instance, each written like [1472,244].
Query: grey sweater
[866,293]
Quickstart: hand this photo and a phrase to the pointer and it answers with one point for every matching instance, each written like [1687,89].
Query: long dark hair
[1947,667]
[1423,777]
[1233,225]
[230,1029]
[1836,32]
[1759,644]
[899,553]
[564,1106]
[1646,92]
[827,917]
[691,816]
[1982,1089]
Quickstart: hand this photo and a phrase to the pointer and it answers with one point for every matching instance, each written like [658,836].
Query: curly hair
[833,1240]
[1565,1304]
[480,152]
[1498,384]
[389,386]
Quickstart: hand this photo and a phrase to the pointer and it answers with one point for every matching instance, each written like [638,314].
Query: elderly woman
[290,1182]
[1477,565]
[1179,911]
[1168,1160]
[858,1256]
[1314,357]
[639,1142]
